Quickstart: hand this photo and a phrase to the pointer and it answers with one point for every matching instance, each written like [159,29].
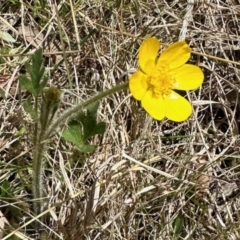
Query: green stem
[39,148]
[37,163]
[37,174]
[49,105]
[35,134]
[69,113]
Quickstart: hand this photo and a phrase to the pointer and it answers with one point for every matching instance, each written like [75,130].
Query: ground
[146,179]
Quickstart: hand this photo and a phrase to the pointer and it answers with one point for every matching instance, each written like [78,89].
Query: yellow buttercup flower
[157,78]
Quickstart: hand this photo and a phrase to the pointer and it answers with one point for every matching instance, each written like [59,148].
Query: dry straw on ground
[147,179]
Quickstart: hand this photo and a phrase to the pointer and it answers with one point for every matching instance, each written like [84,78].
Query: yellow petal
[148,53]
[175,55]
[188,77]
[178,109]
[154,106]
[138,85]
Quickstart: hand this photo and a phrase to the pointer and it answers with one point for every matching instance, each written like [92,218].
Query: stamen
[161,80]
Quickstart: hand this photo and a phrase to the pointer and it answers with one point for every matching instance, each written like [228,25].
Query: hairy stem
[35,134]
[50,101]
[37,174]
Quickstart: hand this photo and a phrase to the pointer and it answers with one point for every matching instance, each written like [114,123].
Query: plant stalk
[46,133]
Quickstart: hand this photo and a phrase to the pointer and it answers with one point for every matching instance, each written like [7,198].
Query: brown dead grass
[190,178]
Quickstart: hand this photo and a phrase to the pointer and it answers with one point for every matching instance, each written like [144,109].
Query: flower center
[161,80]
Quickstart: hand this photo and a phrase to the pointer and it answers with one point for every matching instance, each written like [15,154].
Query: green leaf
[21,132]
[29,69]
[178,224]
[27,84]
[73,133]
[89,122]
[36,71]
[100,128]
[7,37]
[83,127]
[27,105]
[5,186]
